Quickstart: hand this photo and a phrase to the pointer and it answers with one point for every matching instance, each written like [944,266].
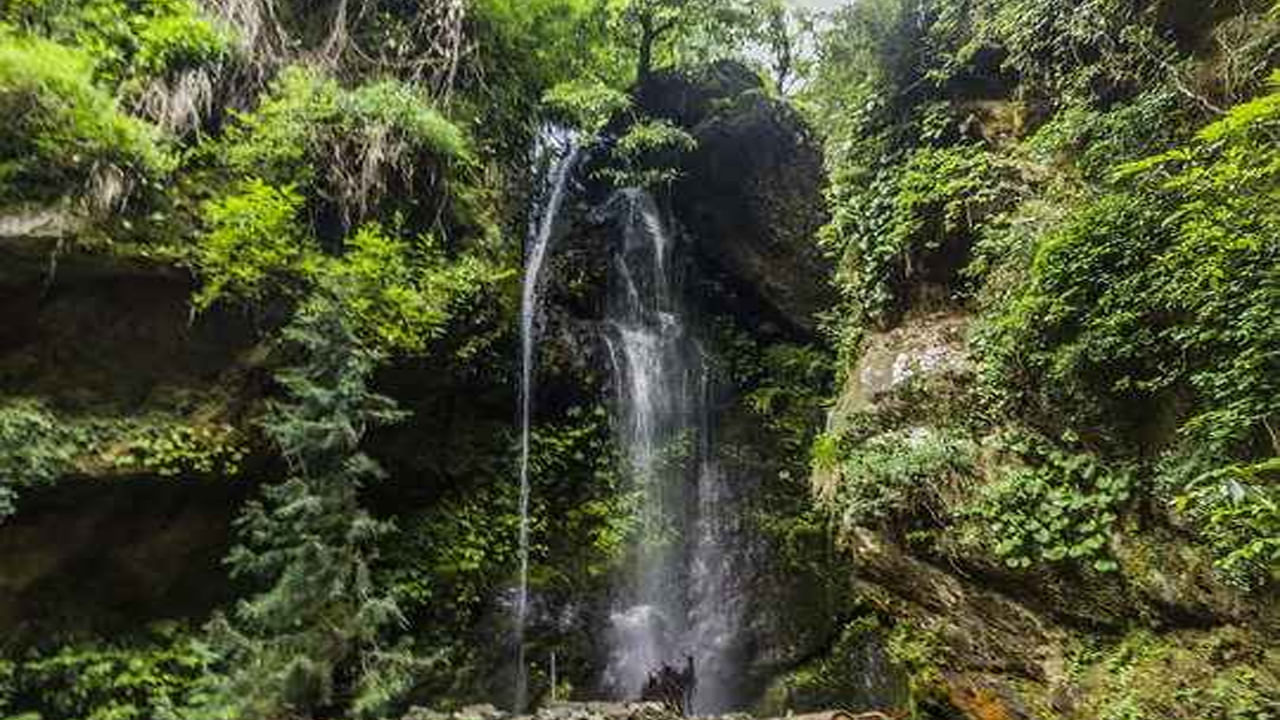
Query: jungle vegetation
[1094,183]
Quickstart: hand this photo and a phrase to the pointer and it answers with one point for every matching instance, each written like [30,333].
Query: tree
[654,18]
[707,22]
[311,636]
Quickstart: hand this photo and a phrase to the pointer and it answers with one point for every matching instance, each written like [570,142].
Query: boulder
[750,195]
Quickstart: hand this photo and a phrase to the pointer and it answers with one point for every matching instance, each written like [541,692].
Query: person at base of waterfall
[671,687]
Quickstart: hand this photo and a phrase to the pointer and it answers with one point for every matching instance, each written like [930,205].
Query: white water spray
[679,600]
[562,151]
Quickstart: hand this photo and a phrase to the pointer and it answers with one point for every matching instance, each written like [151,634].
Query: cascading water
[562,152]
[677,601]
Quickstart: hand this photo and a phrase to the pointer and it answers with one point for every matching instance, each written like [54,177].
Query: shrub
[180,41]
[355,148]
[584,104]
[1237,510]
[403,292]
[904,478]
[647,154]
[127,39]
[33,450]
[135,679]
[254,236]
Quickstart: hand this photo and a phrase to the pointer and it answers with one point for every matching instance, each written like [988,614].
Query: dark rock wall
[105,339]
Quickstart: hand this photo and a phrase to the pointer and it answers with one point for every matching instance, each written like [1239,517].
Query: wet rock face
[750,195]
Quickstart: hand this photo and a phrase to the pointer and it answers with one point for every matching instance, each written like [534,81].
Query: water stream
[559,151]
[676,601]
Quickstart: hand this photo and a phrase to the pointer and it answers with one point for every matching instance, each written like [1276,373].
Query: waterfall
[676,601]
[561,151]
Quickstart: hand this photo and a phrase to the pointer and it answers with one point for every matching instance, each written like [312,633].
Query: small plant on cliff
[1237,510]
[142,677]
[648,154]
[901,479]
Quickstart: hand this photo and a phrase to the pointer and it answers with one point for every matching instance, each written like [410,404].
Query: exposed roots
[426,48]
[106,189]
[264,42]
[368,167]
[180,105]
[354,36]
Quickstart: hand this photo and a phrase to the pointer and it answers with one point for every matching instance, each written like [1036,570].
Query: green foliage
[254,241]
[39,447]
[908,223]
[1083,49]
[447,562]
[66,136]
[1060,507]
[563,44]
[1080,343]
[33,450]
[585,105]
[784,384]
[681,34]
[1237,509]
[128,39]
[902,478]
[1222,675]
[179,41]
[648,154]
[355,148]
[313,149]
[576,465]
[169,450]
[920,652]
[788,393]
[851,669]
[311,636]
[1094,140]
[1166,288]
[903,89]
[1221,273]
[136,679]
[400,292]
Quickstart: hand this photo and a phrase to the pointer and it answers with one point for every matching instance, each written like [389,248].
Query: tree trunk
[648,36]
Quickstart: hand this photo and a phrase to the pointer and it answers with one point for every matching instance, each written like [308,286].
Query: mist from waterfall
[558,150]
[676,600]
